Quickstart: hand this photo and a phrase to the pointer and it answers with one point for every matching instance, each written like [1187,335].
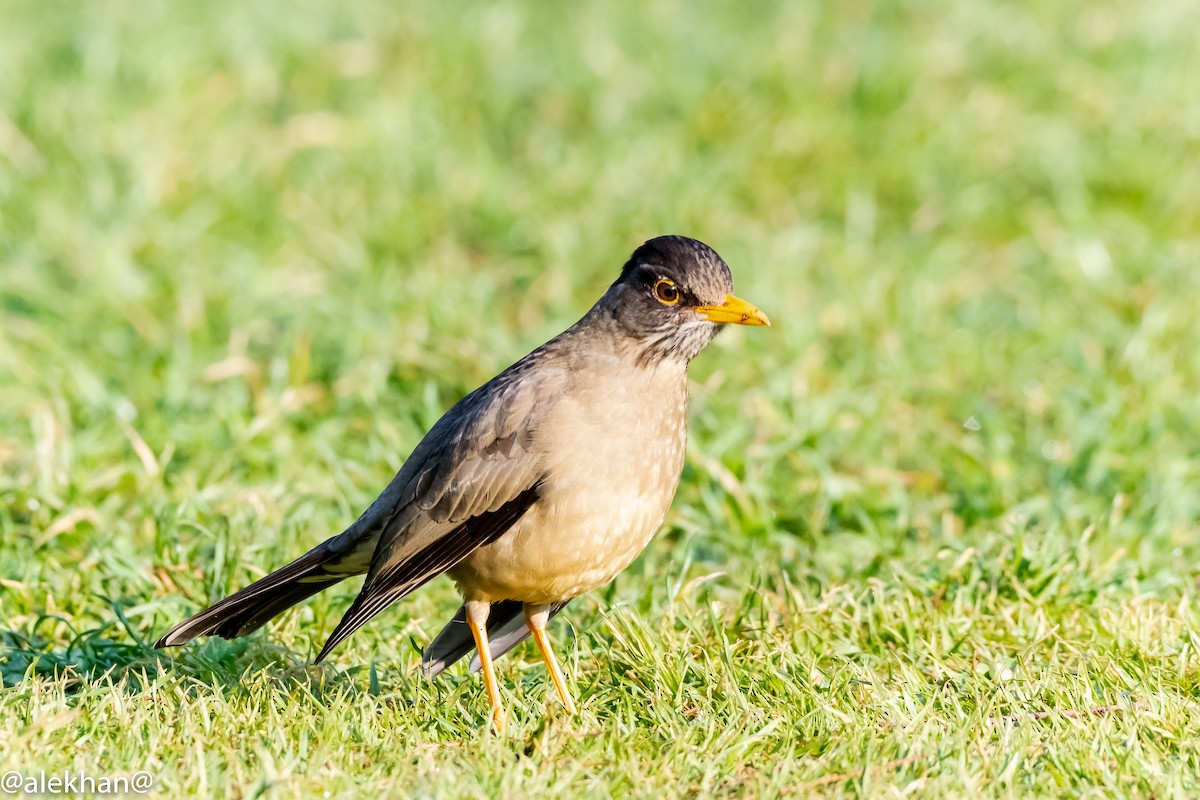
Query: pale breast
[613,451]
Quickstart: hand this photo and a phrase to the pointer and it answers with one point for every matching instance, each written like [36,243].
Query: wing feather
[468,481]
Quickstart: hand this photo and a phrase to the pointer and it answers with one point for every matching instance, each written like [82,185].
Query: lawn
[939,532]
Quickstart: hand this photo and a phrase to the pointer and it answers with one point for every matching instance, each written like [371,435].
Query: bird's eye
[666,292]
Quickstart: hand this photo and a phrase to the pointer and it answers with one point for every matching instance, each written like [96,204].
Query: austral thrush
[541,485]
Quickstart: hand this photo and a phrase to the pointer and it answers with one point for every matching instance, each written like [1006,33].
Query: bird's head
[673,296]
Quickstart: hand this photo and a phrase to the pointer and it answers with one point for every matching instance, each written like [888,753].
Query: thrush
[535,488]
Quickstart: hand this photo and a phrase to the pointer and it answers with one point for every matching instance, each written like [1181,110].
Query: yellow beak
[735,310]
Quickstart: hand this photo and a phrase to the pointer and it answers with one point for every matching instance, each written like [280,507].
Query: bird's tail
[249,609]
[506,629]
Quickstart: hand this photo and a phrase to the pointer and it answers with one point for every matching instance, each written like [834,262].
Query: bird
[536,488]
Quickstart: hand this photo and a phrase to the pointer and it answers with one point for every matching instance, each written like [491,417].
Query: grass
[938,532]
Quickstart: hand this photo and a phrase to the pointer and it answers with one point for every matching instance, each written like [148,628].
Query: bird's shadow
[117,654]
[53,647]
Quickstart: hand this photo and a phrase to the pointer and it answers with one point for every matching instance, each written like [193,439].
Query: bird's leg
[477,615]
[536,618]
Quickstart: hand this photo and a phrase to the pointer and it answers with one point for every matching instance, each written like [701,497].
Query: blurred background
[249,252]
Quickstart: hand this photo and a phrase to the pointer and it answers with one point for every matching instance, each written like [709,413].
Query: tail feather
[505,626]
[248,609]
[455,639]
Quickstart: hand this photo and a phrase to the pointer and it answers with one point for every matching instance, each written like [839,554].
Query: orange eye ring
[666,292]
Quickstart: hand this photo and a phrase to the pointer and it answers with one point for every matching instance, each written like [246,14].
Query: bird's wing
[472,477]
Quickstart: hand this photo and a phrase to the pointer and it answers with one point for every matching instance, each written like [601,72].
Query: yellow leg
[477,614]
[537,617]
